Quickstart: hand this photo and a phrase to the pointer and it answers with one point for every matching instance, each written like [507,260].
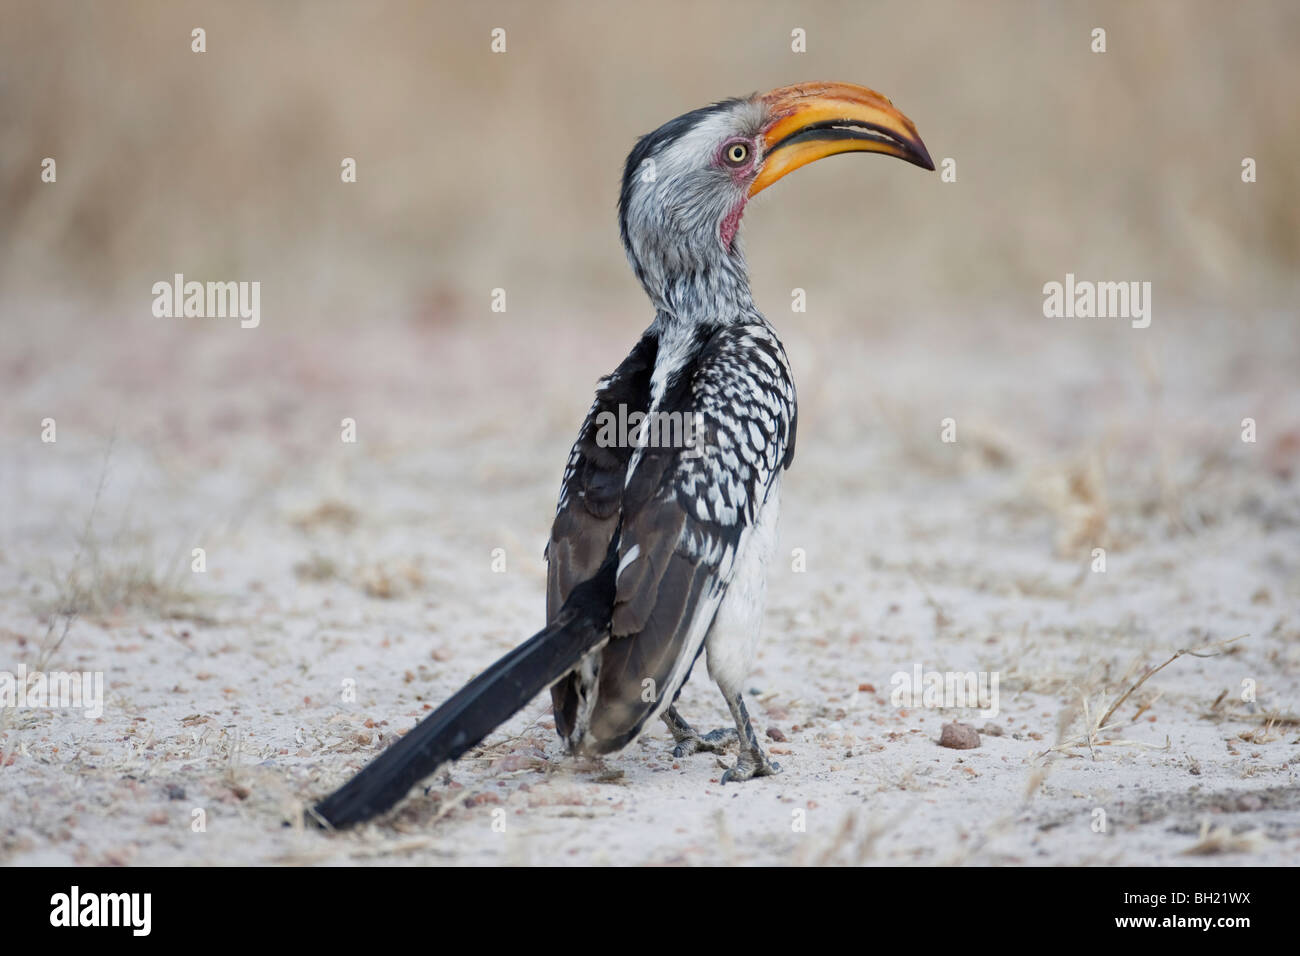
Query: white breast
[733,639]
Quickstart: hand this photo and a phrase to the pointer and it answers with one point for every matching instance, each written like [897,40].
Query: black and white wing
[682,517]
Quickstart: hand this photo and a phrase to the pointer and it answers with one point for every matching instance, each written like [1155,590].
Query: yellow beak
[814,120]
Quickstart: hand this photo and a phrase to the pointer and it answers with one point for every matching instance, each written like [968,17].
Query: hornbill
[659,548]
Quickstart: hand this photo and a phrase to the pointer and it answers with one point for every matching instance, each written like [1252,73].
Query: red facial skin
[731,224]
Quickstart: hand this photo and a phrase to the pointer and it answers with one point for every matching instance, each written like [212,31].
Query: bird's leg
[689,740]
[752,761]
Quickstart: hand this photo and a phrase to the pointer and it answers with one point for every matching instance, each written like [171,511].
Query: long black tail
[478,708]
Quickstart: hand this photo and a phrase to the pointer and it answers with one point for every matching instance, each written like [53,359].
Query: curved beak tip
[922,155]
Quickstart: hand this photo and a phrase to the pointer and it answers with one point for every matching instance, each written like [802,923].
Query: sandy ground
[370,566]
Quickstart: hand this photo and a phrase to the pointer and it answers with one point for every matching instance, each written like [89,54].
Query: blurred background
[479,171]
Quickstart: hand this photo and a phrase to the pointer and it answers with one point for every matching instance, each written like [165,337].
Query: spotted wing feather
[682,520]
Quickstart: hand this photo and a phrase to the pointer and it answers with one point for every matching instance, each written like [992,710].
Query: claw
[747,769]
[716,741]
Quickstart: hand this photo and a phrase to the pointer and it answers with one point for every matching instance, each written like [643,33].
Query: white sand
[373,563]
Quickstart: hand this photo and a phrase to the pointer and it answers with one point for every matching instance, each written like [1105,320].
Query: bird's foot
[715,742]
[751,765]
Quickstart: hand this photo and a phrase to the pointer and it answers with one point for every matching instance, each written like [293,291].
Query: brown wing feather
[590,505]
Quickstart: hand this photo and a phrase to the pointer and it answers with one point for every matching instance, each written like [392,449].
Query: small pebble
[959,736]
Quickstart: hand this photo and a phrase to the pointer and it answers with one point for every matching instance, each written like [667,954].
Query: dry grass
[1100,724]
[1215,840]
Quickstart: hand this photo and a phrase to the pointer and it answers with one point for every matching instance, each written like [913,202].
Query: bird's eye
[737,153]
